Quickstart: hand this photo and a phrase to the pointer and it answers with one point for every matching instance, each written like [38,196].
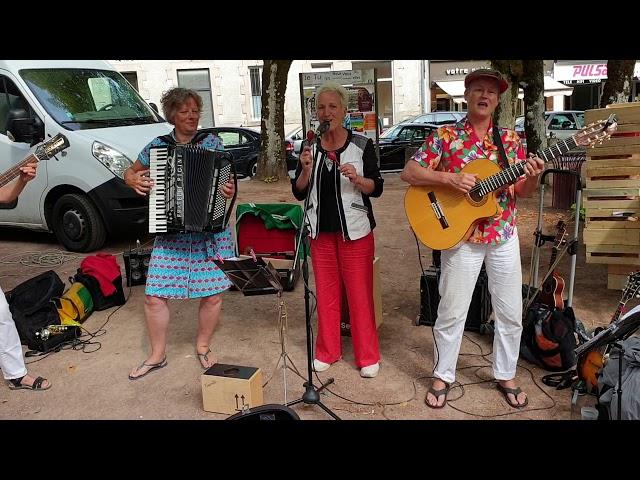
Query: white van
[79,194]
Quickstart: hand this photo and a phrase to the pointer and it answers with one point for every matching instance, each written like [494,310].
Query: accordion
[187,193]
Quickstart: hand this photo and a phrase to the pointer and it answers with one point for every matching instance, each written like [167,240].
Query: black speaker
[266,413]
[136,264]
[479,310]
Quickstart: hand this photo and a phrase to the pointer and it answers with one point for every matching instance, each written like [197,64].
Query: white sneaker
[370,371]
[319,366]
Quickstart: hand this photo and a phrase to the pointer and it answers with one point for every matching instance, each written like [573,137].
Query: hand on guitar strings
[462,182]
[28,172]
[140,181]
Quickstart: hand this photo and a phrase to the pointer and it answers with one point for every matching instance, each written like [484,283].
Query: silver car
[560,125]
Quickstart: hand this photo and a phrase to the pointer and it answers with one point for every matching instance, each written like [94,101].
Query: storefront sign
[585,73]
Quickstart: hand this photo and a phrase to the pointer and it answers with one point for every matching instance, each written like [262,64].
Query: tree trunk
[534,106]
[617,87]
[272,161]
[505,114]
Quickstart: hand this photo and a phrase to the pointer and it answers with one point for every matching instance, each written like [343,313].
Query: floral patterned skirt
[182,265]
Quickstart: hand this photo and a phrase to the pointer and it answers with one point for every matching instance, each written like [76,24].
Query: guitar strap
[502,158]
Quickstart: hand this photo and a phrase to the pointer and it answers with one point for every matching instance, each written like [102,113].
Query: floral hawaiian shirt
[451,147]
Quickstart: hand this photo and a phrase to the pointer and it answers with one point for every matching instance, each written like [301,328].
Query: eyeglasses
[187,112]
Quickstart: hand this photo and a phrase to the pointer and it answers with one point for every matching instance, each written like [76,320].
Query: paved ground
[93,384]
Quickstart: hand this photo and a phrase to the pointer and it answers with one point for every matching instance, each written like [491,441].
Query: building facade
[231,89]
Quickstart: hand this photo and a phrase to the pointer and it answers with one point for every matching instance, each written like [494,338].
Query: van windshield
[81,99]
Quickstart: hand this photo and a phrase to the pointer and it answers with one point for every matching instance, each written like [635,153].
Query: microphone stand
[311,395]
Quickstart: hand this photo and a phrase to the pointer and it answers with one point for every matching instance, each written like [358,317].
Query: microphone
[312,136]
[324,126]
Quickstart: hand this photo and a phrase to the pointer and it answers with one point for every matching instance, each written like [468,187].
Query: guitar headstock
[632,288]
[596,132]
[51,147]
[561,229]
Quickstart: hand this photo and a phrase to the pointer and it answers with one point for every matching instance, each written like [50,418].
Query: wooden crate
[612,196]
[613,254]
[617,275]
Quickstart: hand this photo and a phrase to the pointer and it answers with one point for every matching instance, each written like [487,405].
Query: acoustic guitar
[44,151]
[552,290]
[442,217]
[591,361]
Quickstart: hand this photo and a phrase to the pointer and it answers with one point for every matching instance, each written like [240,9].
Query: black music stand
[251,276]
[311,395]
[254,276]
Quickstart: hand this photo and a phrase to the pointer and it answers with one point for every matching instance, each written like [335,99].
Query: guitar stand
[571,246]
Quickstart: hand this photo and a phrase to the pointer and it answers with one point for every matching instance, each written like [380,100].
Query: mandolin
[44,151]
[551,292]
[442,217]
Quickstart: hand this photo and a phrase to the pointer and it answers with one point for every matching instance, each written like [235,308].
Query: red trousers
[337,261]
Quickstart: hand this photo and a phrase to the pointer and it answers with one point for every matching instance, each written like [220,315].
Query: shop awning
[551,88]
[455,89]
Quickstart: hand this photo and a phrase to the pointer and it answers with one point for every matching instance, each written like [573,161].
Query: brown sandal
[515,392]
[437,393]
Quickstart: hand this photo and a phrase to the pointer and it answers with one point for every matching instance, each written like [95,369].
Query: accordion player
[187,194]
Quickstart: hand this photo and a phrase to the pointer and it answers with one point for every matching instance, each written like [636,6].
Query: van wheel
[77,224]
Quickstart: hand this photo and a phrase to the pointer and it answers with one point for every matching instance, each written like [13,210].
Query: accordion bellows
[187,193]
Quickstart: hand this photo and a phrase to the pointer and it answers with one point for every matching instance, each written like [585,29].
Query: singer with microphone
[11,359]
[338,172]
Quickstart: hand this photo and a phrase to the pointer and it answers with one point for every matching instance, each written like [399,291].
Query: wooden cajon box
[345,325]
[231,388]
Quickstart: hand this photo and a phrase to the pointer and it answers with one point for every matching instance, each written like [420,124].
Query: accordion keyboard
[157,166]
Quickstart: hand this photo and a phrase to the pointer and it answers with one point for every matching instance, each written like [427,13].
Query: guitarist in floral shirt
[494,241]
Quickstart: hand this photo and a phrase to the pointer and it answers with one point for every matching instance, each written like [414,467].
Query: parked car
[244,144]
[401,140]
[436,118]
[296,137]
[561,124]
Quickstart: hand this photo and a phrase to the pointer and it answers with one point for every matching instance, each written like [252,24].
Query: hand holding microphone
[306,158]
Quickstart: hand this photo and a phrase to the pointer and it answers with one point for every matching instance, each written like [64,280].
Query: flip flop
[16,384]
[515,392]
[436,393]
[205,357]
[152,367]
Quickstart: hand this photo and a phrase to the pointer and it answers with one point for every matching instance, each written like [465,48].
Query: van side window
[10,97]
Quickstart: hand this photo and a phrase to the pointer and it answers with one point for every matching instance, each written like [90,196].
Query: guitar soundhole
[475,196]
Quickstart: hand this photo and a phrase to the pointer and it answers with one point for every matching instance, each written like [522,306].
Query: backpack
[548,337]
[75,304]
[31,305]
[100,300]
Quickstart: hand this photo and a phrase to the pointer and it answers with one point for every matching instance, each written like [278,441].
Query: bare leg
[208,317]
[156,312]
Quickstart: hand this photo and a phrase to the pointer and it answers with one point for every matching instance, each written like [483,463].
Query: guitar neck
[14,171]
[515,171]
[619,310]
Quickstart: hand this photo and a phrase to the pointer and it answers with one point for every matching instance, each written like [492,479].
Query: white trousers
[11,359]
[460,270]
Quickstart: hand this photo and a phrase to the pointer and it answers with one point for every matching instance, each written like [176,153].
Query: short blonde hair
[173,99]
[333,87]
